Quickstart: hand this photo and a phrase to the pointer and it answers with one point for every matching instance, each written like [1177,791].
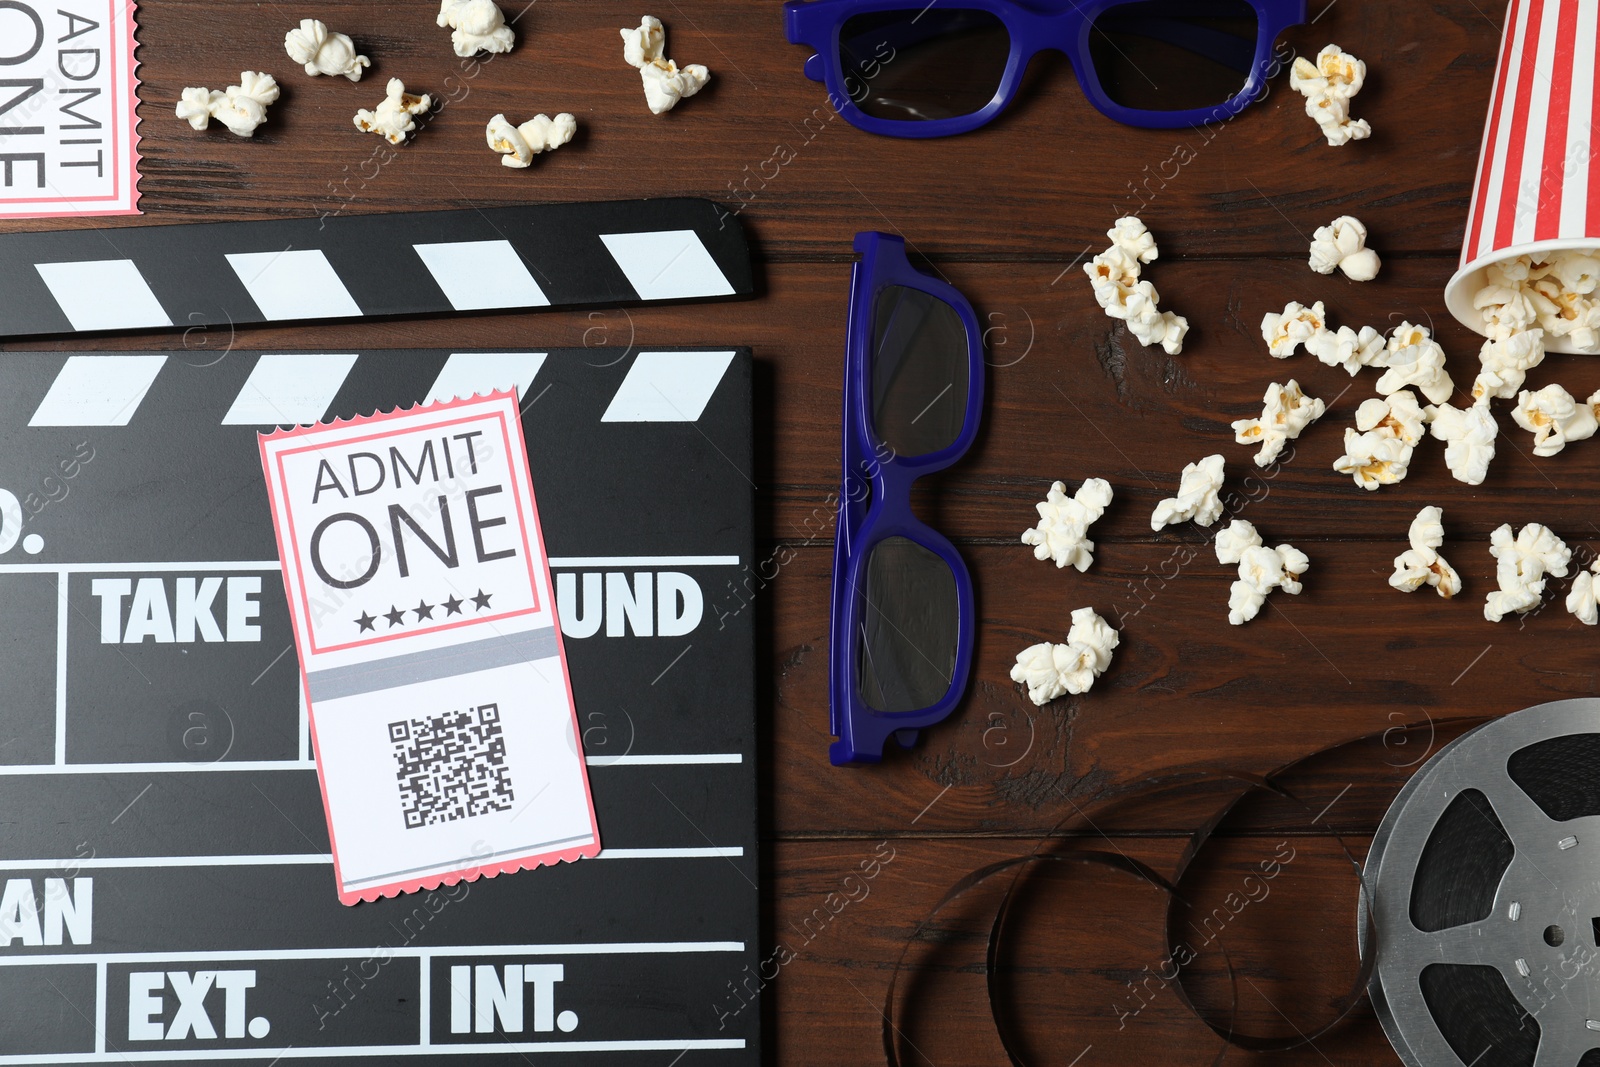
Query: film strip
[362,266]
[1478,907]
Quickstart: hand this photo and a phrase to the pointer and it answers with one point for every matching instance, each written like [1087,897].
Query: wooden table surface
[1006,214]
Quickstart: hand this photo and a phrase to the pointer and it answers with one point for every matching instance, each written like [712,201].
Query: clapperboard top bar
[361,266]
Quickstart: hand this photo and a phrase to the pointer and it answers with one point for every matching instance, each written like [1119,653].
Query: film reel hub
[1484,879]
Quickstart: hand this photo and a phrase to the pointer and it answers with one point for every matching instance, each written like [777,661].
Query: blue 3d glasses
[903,621]
[931,68]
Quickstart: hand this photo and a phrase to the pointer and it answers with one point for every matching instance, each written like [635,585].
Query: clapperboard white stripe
[97,390]
[667,264]
[293,284]
[444,262]
[287,389]
[468,374]
[479,275]
[668,387]
[107,294]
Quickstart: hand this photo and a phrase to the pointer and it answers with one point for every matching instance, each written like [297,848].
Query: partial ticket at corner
[441,715]
[68,109]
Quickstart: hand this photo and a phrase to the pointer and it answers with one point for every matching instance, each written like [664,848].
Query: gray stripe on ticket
[410,668]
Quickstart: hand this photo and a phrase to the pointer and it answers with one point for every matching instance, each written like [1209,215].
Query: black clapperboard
[166,893]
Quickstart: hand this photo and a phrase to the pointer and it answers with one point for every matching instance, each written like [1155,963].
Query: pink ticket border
[129,106]
[466,874]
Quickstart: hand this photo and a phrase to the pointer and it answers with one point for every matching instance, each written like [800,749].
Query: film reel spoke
[1555,1047]
[1522,818]
[1470,943]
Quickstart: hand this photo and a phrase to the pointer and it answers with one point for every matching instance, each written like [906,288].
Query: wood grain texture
[1049,176]
[1327,681]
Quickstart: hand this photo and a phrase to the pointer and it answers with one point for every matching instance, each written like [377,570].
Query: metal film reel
[1485,882]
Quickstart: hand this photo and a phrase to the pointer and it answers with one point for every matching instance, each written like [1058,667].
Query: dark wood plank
[1348,658]
[1054,171]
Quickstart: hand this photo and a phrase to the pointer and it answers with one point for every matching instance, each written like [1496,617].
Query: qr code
[451,766]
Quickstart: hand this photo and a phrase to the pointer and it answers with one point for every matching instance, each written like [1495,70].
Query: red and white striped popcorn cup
[1538,185]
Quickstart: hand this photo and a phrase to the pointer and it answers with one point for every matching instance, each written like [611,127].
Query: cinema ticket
[441,713]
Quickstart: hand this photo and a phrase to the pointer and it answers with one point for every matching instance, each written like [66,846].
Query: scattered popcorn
[1469,435]
[1521,566]
[1328,84]
[1197,499]
[394,117]
[1581,599]
[1288,331]
[241,108]
[1506,363]
[1373,458]
[1261,569]
[323,52]
[1397,415]
[665,83]
[1349,349]
[195,106]
[1554,418]
[1234,538]
[1415,358]
[1555,294]
[518,145]
[1129,235]
[1117,288]
[1287,411]
[1063,530]
[1342,245]
[1421,564]
[477,25]
[1050,671]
